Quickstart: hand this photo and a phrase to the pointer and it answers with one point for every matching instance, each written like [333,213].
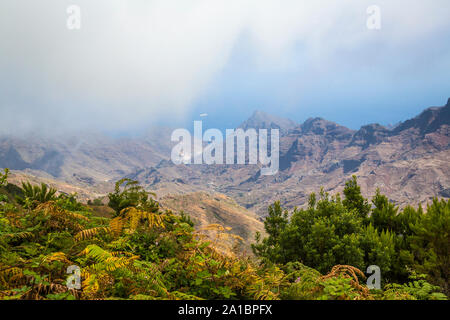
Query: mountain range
[409,162]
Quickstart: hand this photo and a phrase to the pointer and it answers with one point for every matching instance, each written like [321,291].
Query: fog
[141,62]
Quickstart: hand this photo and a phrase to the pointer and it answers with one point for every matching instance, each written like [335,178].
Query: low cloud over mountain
[409,162]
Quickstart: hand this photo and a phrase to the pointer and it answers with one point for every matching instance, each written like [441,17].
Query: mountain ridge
[315,153]
[410,164]
[262,120]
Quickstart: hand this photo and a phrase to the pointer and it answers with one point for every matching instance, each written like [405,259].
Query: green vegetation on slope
[144,252]
[404,244]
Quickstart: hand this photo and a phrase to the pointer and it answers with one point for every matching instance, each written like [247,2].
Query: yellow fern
[52,209]
[90,233]
[116,225]
[9,276]
[137,217]
[56,256]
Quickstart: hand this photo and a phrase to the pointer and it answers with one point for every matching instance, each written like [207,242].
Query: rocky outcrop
[410,162]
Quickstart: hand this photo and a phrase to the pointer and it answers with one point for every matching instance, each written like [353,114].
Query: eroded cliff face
[410,162]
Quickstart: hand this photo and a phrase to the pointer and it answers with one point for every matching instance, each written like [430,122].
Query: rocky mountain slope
[410,162]
[205,209]
[262,120]
[85,159]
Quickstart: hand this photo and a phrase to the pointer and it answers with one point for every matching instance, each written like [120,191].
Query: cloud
[137,62]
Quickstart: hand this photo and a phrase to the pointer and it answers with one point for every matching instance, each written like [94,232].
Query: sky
[136,64]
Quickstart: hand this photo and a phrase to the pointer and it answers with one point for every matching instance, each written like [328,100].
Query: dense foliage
[144,252]
[405,244]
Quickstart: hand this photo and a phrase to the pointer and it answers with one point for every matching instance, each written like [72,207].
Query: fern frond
[105,260]
[90,284]
[90,233]
[50,208]
[116,225]
[137,217]
[18,235]
[56,256]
